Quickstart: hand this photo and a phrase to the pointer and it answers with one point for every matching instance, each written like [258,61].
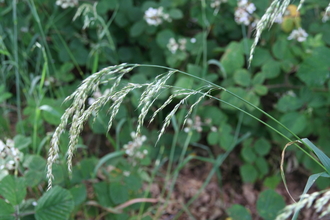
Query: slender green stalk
[16,66]
[246,102]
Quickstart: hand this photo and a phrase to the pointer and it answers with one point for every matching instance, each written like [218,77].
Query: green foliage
[269,204]
[48,50]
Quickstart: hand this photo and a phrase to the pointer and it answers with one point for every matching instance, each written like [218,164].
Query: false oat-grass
[319,199]
[78,113]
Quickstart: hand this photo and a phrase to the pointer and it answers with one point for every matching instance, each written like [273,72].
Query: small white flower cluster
[197,125]
[244,11]
[155,16]
[9,155]
[67,3]
[299,35]
[173,46]
[132,148]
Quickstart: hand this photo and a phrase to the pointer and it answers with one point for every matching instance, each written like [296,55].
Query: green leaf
[225,96]
[184,82]
[7,211]
[79,194]
[294,121]
[325,160]
[271,69]
[55,204]
[248,173]
[260,89]
[212,138]
[21,141]
[280,49]
[163,37]
[262,146]
[260,57]
[248,154]
[33,177]
[106,158]
[262,166]
[251,97]
[118,192]
[34,162]
[138,28]
[272,182]
[258,79]
[13,189]
[101,190]
[242,77]
[175,13]
[233,58]
[314,71]
[289,103]
[238,212]
[133,182]
[269,204]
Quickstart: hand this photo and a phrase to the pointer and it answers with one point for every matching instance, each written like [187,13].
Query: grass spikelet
[168,101]
[118,98]
[78,114]
[193,105]
[319,199]
[146,97]
[276,8]
[172,113]
[300,4]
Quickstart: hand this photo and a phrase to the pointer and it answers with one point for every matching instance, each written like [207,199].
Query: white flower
[155,16]
[299,35]
[244,11]
[193,40]
[173,46]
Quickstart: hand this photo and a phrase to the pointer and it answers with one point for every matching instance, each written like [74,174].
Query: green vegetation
[106,105]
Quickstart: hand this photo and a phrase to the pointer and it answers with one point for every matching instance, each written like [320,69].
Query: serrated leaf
[13,189]
[7,210]
[314,70]
[55,204]
[269,204]
[118,193]
[79,194]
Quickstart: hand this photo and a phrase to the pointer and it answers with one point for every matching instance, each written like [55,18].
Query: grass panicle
[276,8]
[318,200]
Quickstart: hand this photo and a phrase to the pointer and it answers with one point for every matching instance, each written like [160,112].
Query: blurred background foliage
[47,48]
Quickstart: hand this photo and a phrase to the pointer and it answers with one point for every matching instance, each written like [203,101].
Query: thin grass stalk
[248,103]
[16,66]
